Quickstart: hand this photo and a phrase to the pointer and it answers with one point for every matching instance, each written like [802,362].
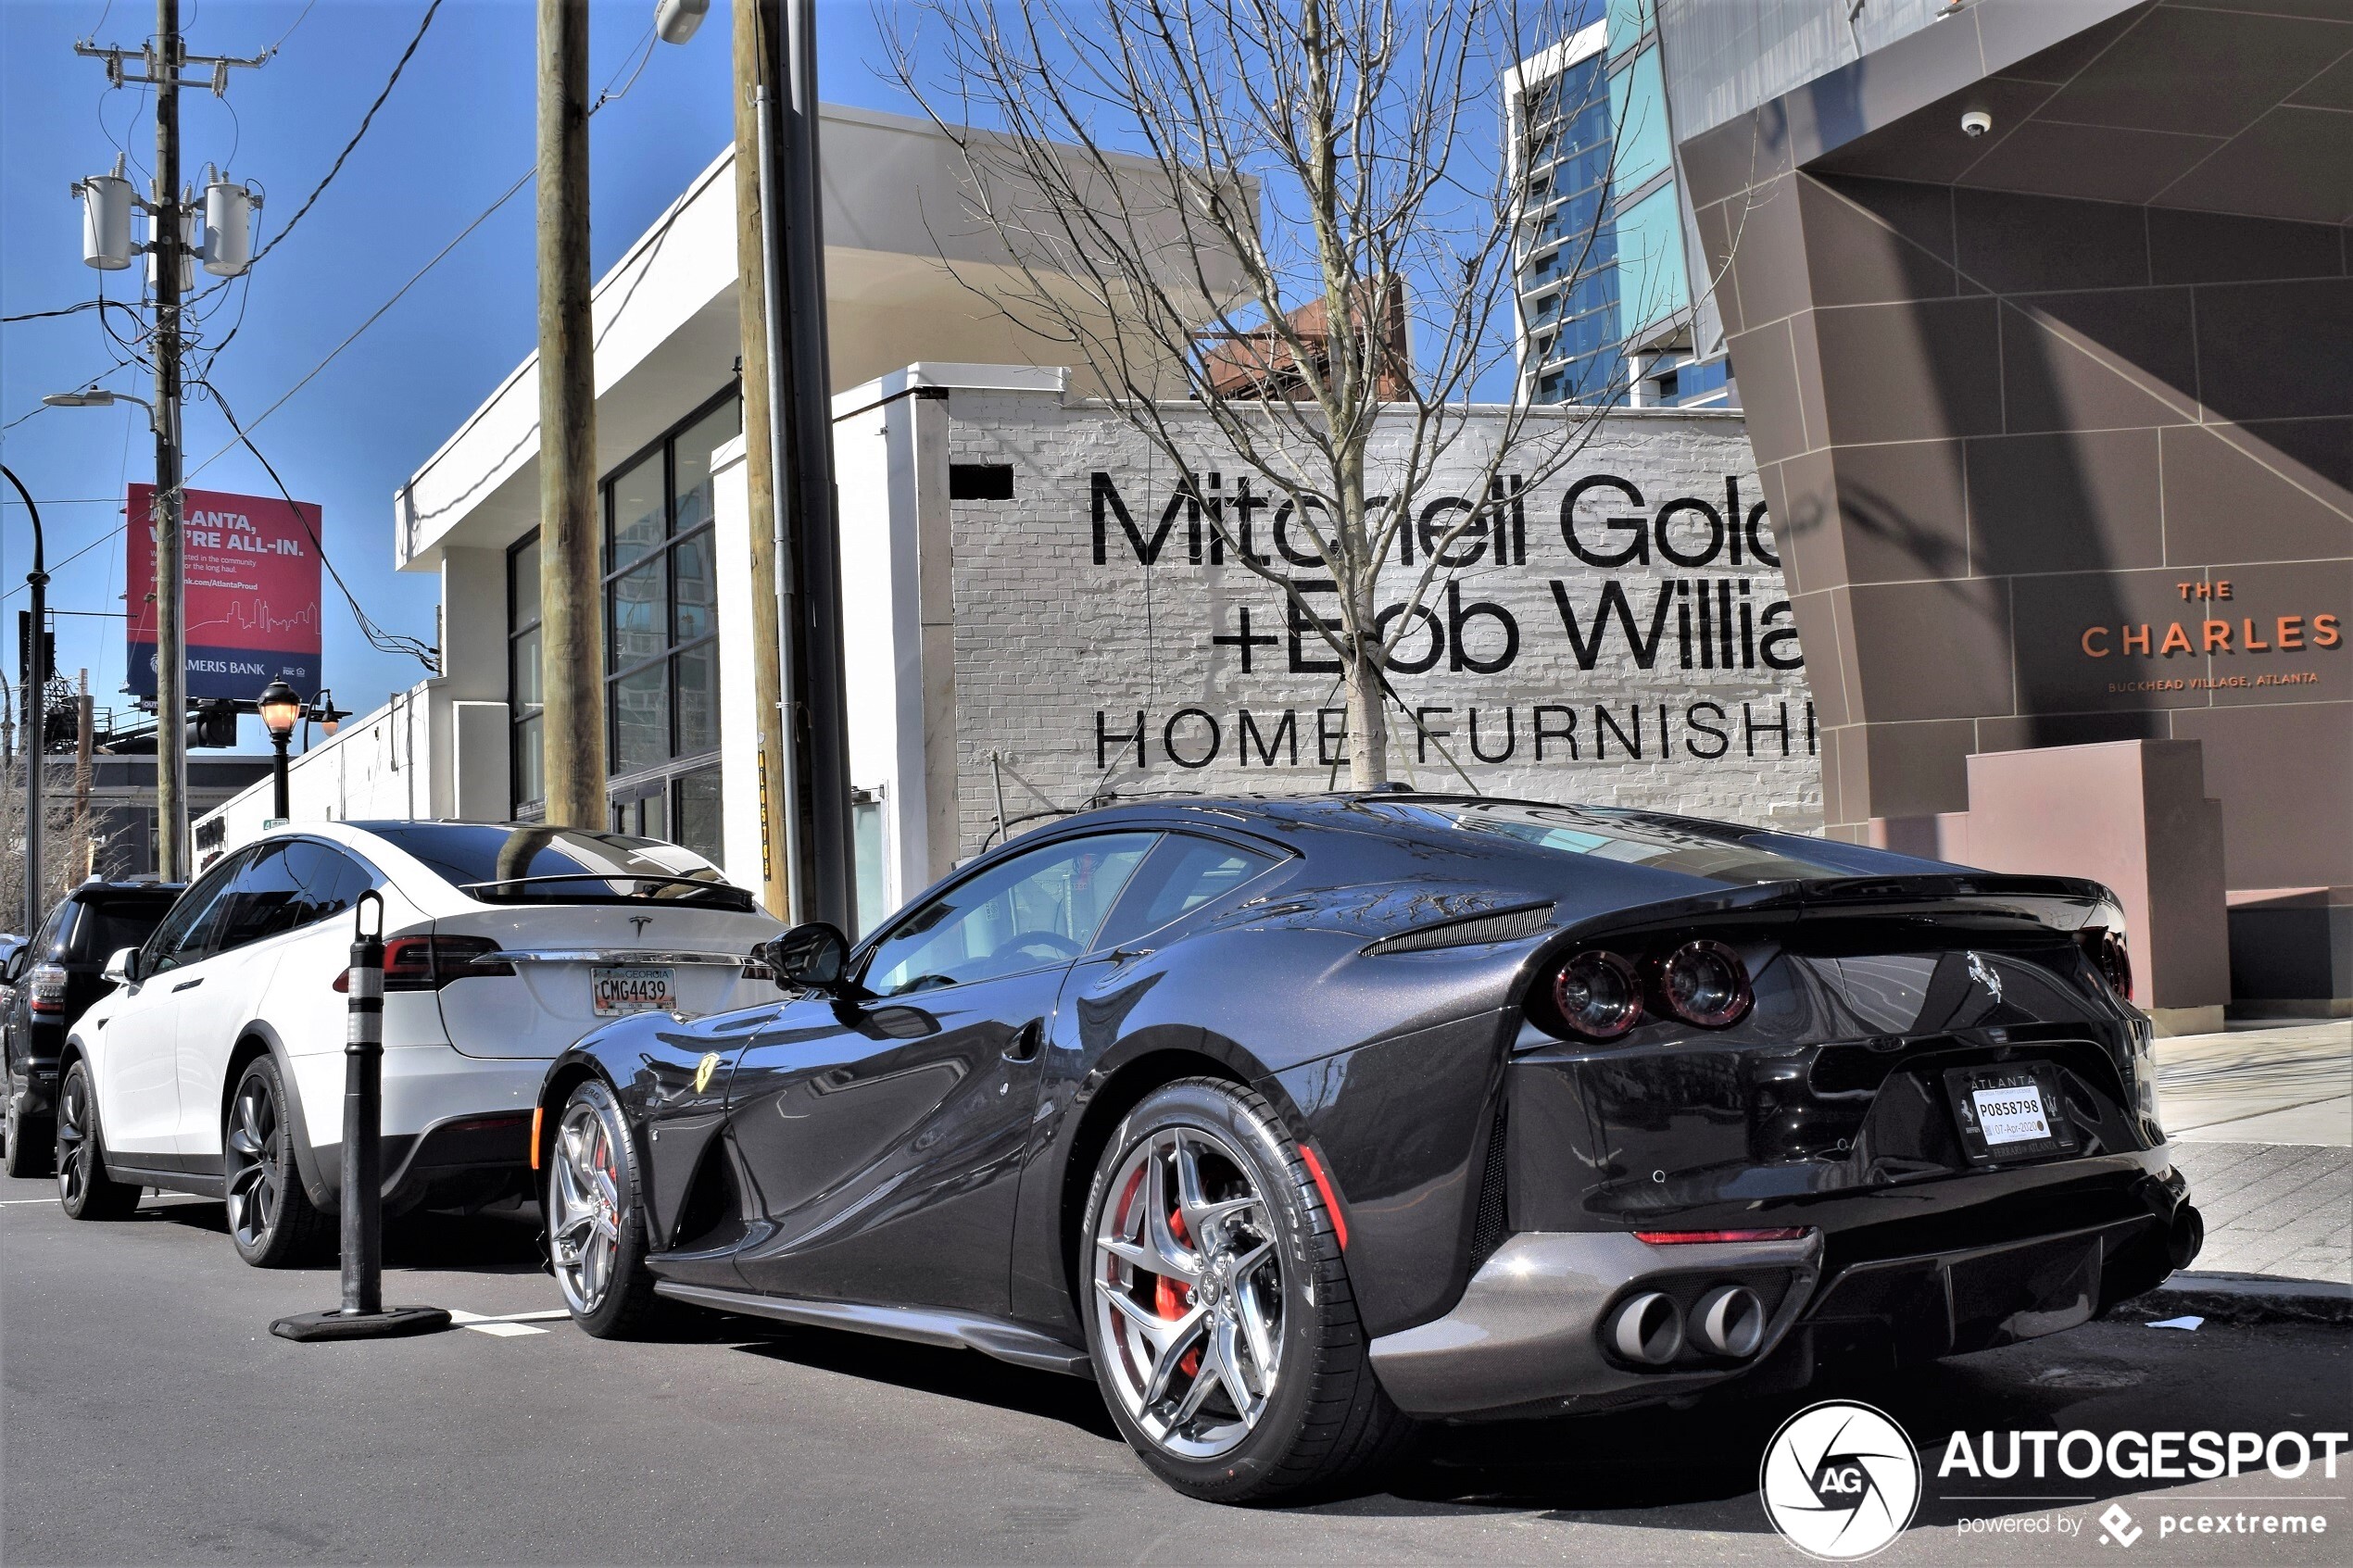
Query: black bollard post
[362,1315]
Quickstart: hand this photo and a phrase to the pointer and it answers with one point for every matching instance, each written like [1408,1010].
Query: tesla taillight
[427,963]
[1599,995]
[1705,983]
[45,989]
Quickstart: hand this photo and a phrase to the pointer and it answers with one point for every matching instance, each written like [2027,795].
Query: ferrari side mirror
[807,957]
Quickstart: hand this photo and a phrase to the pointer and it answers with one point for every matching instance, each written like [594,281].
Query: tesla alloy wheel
[1218,1312]
[596,1229]
[84,1190]
[271,1222]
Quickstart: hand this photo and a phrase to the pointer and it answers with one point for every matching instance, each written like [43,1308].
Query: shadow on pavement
[955,1374]
[490,1242]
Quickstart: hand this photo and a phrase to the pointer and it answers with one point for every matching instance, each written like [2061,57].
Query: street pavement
[149,1416]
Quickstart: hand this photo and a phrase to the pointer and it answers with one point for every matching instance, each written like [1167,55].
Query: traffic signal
[213,725]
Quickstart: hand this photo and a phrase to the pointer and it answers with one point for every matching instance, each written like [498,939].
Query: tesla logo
[2116,1525]
[1983,973]
[638,923]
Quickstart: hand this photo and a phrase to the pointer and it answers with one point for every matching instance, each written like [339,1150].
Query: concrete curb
[2244,1299]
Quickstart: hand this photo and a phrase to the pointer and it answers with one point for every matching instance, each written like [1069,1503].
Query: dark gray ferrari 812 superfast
[1290,1121]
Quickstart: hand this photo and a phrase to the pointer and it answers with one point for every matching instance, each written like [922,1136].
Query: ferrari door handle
[1026,1043]
[187,985]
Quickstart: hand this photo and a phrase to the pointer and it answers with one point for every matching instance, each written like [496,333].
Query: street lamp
[99,397]
[37,710]
[280,707]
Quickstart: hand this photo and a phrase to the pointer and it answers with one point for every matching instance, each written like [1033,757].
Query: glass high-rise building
[1606,308]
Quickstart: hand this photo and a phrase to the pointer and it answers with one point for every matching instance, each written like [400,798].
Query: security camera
[1976,123]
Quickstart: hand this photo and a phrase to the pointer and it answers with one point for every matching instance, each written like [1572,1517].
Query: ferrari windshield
[520,863]
[1729,857]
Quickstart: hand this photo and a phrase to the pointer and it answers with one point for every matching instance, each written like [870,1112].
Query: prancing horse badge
[704,1069]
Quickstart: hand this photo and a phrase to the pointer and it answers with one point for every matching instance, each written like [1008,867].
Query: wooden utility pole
[171,635]
[754,79]
[571,662]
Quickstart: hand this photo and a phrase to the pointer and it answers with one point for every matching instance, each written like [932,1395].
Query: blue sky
[456,133]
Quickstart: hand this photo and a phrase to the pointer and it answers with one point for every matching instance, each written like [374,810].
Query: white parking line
[504,1325]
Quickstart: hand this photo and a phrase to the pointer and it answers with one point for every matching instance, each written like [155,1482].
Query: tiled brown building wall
[1987,422]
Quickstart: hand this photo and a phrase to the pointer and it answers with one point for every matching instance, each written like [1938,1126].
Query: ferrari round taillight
[1599,995]
[2107,951]
[1705,983]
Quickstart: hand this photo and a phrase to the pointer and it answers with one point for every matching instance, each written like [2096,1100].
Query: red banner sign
[250,564]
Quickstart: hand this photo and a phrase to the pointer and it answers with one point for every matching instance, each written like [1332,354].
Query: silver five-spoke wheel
[255,1142]
[585,1200]
[272,1223]
[84,1190]
[1189,1289]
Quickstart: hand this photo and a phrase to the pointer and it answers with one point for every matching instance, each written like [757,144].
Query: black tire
[594,1203]
[1325,1425]
[271,1222]
[32,1140]
[84,1190]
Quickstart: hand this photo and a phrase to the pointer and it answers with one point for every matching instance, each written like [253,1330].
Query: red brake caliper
[1168,1297]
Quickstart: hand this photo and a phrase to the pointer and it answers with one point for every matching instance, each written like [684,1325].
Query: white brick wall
[1046,639]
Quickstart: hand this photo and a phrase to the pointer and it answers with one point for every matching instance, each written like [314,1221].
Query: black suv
[52,980]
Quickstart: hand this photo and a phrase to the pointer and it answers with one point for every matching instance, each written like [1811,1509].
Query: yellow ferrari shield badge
[704,1069]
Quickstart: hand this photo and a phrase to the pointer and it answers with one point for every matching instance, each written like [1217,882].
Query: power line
[373,316]
[365,120]
[378,638]
[108,537]
[607,96]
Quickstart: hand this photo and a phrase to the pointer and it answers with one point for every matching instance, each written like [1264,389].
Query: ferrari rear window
[510,863]
[1731,858]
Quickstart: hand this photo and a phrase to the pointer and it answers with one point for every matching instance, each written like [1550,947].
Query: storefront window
[662,643]
[662,624]
[527,758]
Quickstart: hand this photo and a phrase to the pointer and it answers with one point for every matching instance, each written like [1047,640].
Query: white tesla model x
[216,1064]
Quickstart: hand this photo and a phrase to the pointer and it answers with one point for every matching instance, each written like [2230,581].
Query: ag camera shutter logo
[1840,1480]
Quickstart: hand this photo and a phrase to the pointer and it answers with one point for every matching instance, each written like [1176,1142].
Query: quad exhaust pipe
[1648,1329]
[1729,1321]
[2185,1237]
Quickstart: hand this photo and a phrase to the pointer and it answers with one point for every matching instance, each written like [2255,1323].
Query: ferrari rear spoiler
[2055,903]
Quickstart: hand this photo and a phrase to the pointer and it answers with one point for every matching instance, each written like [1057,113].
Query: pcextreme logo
[1840,1480]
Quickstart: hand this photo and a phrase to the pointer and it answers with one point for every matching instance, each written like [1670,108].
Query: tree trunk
[1367,722]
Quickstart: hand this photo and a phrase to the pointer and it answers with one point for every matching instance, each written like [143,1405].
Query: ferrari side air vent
[1507,926]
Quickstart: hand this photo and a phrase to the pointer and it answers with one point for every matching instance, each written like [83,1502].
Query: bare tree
[1295,222]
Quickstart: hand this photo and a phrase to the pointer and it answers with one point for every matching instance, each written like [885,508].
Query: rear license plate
[620,991]
[2010,1112]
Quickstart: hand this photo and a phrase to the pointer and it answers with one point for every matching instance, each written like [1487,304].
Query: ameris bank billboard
[251,566]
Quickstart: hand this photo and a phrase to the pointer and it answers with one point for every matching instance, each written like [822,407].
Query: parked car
[52,980]
[1291,1121]
[10,943]
[216,1067]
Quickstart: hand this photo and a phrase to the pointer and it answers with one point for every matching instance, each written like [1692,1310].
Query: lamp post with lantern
[280,708]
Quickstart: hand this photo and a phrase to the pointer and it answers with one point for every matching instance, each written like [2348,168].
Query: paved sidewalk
[2282,1210]
[2287,1082]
